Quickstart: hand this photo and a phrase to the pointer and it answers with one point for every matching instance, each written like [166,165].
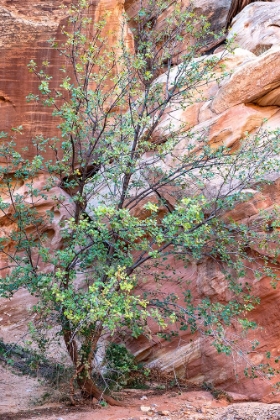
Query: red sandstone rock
[26,26]
[15,312]
[257,28]
[25,29]
[250,81]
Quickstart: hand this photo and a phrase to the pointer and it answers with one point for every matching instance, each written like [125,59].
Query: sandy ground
[18,392]
[194,405]
[22,397]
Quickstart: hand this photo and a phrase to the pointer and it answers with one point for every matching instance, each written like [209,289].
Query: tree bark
[88,387]
[83,372]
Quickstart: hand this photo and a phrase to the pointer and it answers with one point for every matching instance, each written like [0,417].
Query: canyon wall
[230,109]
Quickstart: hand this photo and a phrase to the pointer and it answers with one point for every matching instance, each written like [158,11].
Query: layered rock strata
[231,108]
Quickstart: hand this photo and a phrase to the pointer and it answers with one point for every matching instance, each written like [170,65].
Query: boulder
[236,7]
[250,82]
[256,28]
[214,10]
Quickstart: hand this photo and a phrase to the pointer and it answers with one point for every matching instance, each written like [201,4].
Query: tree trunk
[83,373]
[88,387]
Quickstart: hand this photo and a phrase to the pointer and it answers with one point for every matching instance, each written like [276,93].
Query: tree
[120,149]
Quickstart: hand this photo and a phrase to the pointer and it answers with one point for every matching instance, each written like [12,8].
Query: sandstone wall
[230,109]
[25,29]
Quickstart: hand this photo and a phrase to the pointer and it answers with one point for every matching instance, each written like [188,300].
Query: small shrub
[120,364]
